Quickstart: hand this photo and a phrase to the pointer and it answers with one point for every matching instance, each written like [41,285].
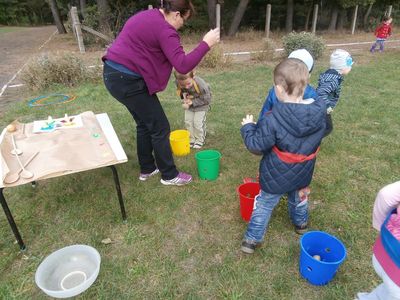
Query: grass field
[184,242]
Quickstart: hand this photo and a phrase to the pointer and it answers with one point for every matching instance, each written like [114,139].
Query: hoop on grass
[41,101]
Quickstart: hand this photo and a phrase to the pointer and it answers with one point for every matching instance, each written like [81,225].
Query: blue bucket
[321,254]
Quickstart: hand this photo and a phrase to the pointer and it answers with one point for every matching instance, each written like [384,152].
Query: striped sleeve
[329,89]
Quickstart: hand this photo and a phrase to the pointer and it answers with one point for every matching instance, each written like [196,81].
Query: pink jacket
[387,199]
[383,31]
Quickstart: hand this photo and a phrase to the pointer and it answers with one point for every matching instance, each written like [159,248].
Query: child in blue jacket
[309,92]
[288,139]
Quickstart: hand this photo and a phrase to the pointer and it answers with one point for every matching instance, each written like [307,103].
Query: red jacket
[383,31]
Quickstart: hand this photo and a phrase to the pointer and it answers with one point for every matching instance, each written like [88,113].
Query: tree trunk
[366,16]
[104,20]
[211,4]
[308,16]
[56,16]
[238,17]
[289,16]
[82,6]
[342,19]
[334,17]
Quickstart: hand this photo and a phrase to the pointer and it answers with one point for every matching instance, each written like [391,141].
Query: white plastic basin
[69,271]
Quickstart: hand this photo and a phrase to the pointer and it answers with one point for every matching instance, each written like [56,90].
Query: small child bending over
[196,97]
[386,250]
[289,139]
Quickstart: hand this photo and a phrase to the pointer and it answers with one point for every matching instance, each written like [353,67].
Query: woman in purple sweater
[138,65]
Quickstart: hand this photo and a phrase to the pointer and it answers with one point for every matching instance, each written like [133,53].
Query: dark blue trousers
[152,126]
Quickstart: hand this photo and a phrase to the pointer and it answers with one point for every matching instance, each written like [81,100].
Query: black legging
[152,125]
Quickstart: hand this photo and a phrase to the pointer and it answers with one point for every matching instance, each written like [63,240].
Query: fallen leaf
[107,241]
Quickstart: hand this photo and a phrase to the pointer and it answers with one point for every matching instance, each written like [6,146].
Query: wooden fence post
[268,21]
[314,20]
[353,23]
[77,28]
[218,15]
[389,11]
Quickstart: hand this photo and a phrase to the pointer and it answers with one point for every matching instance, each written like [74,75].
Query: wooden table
[119,153]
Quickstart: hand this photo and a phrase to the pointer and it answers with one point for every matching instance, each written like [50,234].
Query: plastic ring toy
[39,100]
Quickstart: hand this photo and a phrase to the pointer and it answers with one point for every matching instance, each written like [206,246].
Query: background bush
[65,69]
[293,41]
[267,53]
[215,58]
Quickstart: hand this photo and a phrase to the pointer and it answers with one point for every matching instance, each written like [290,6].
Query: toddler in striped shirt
[330,83]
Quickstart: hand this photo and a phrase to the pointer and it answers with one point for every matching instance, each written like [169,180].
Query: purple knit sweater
[150,46]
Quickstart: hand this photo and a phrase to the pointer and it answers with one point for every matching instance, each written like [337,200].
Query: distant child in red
[382,32]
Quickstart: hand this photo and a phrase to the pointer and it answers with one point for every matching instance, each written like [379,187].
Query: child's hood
[300,119]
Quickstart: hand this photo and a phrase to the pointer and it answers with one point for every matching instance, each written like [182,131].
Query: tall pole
[390,10]
[218,15]
[268,21]
[77,26]
[353,24]
[314,20]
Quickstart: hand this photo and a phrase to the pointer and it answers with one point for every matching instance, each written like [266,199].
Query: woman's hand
[212,37]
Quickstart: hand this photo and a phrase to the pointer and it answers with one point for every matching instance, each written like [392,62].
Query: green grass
[184,242]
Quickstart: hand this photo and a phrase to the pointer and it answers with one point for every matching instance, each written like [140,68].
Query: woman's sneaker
[144,176]
[181,179]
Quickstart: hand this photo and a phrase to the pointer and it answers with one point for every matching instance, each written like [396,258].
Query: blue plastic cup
[321,254]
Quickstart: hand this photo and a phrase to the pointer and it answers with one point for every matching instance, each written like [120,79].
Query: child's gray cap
[304,56]
[341,59]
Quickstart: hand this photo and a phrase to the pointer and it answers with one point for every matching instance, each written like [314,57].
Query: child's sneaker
[144,177]
[181,179]
[197,146]
[301,229]
[248,246]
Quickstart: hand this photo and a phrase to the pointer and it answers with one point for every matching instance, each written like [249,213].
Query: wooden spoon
[15,151]
[11,178]
[25,173]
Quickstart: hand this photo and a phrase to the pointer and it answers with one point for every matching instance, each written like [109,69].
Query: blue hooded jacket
[296,128]
[271,99]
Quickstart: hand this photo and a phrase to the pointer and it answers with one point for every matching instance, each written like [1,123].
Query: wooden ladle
[11,178]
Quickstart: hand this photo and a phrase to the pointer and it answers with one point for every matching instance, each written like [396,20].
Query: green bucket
[208,164]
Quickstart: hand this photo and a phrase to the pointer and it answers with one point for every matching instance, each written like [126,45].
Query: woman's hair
[180,76]
[292,75]
[183,6]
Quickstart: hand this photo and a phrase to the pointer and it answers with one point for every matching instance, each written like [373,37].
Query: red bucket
[247,191]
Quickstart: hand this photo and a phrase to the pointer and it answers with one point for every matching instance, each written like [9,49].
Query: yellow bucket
[179,140]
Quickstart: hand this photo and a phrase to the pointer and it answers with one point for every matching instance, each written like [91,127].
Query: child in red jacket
[382,32]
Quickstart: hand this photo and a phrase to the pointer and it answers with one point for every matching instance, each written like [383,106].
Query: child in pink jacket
[386,250]
[382,32]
